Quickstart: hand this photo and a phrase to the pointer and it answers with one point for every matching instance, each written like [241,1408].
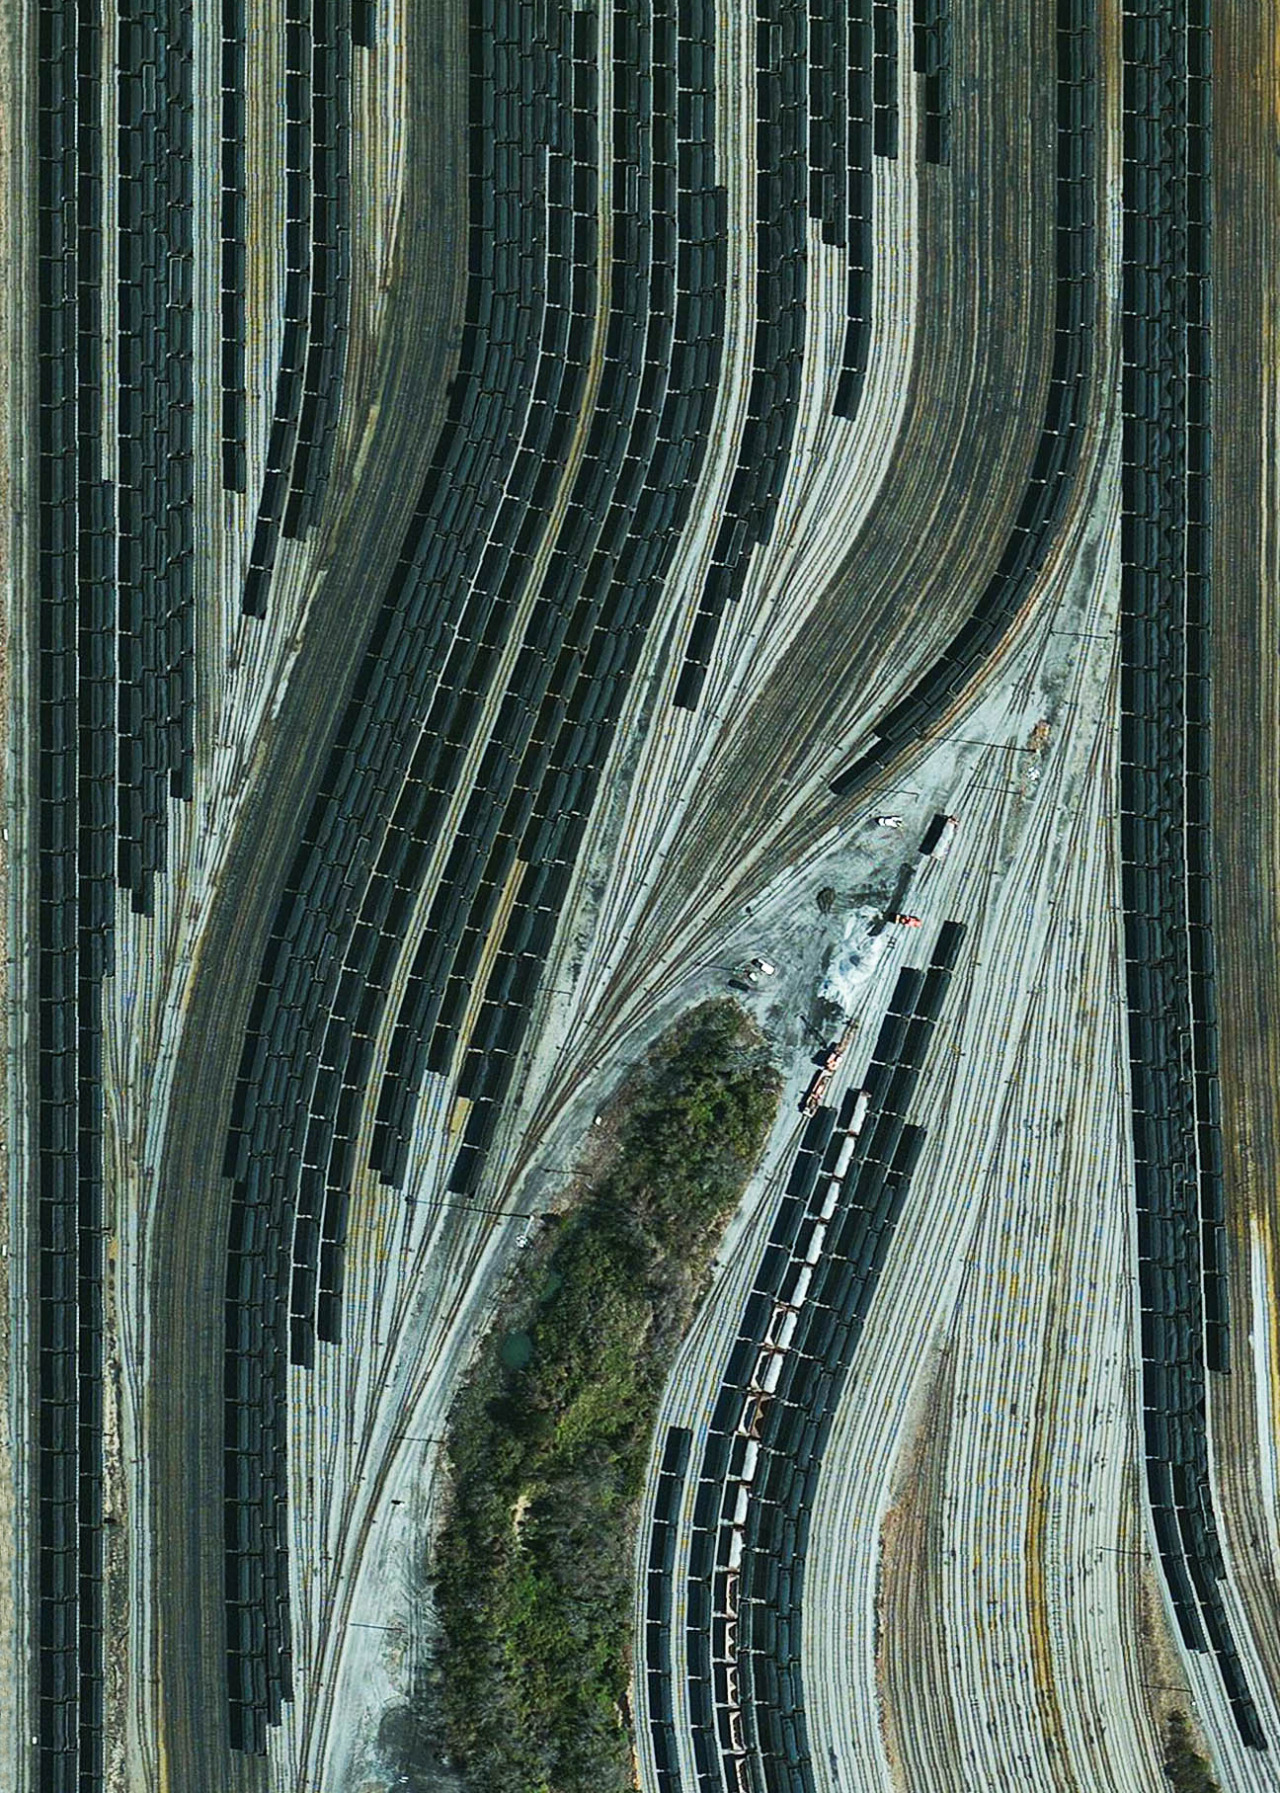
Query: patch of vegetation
[1187,1769]
[826,899]
[533,1565]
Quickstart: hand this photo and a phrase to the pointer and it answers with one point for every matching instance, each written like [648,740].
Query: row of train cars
[772,1418]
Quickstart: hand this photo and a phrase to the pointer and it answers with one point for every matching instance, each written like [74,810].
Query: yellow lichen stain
[1264,1242]
[1037,1601]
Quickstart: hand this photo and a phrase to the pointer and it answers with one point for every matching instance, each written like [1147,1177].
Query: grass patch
[533,1566]
[1187,1769]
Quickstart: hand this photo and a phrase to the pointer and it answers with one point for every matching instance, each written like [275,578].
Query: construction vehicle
[835,1052]
[815,1092]
[832,1060]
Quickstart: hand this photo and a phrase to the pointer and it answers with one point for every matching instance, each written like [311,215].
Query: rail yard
[527,516]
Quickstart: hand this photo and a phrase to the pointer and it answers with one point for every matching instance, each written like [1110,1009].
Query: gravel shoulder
[1245,1407]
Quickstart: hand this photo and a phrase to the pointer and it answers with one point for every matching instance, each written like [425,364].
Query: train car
[750,1462]
[752,1417]
[767,1372]
[817,1240]
[740,1508]
[799,1288]
[939,836]
[782,1329]
[731,1588]
[859,1115]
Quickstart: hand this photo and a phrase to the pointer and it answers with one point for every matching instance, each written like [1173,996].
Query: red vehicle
[906,921]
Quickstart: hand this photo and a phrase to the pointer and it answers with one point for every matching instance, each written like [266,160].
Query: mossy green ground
[533,1568]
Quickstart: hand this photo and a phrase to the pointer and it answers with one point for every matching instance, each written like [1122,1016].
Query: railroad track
[1245,700]
[358,555]
[881,531]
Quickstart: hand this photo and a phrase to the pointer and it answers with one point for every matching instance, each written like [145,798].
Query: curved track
[417,337]
[983,1601]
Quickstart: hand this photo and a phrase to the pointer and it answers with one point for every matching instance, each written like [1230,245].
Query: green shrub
[1187,1769]
[533,1565]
